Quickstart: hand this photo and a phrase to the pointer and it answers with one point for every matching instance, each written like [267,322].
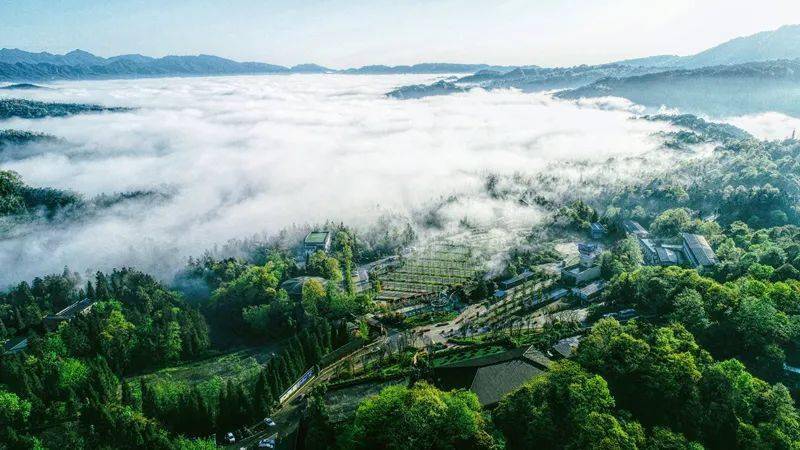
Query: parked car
[269,422]
[266,443]
[230,438]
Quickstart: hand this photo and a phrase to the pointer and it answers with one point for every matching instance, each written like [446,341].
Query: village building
[294,286]
[586,270]
[589,292]
[694,252]
[517,280]
[566,347]
[315,241]
[597,230]
[82,307]
[491,377]
[15,345]
[633,228]
[698,252]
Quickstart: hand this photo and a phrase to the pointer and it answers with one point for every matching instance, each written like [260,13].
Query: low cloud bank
[247,155]
[769,126]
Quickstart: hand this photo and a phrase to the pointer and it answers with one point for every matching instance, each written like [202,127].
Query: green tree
[420,417]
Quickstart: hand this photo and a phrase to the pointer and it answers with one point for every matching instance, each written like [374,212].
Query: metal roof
[666,256]
[317,237]
[700,251]
[491,383]
[633,227]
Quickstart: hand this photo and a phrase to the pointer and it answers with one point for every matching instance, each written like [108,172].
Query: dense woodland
[708,348]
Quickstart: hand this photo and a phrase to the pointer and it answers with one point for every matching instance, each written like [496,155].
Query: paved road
[287,416]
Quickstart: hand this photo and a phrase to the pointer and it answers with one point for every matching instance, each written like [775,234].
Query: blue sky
[357,32]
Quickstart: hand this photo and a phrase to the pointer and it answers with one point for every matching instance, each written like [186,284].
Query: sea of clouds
[237,156]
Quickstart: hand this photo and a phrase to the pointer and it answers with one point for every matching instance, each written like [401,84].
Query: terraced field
[426,272]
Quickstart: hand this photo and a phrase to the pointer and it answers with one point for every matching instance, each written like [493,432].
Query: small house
[15,345]
[633,228]
[317,240]
[597,230]
[698,252]
[82,307]
[517,280]
[589,292]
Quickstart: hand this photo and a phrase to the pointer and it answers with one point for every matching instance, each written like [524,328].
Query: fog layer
[246,155]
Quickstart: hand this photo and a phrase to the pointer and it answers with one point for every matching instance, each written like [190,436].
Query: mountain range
[746,75]
[19,65]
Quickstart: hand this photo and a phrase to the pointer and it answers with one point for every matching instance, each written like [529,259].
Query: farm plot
[426,273]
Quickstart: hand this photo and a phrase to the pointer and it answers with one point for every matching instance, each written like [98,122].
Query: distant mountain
[426,90]
[783,43]
[528,79]
[19,137]
[18,65]
[28,109]
[424,68]
[21,87]
[717,91]
[310,68]
[653,61]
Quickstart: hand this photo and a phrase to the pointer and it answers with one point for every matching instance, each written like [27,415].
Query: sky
[349,33]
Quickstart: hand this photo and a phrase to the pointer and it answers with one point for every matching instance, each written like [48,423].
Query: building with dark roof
[493,376]
[294,286]
[666,256]
[634,228]
[590,291]
[52,321]
[566,347]
[15,345]
[597,230]
[698,252]
[491,383]
[517,280]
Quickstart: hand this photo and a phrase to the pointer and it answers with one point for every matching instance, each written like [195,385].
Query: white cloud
[245,155]
[770,125]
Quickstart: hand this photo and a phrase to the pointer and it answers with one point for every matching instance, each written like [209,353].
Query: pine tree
[262,395]
[127,395]
[148,400]
[90,291]
[350,287]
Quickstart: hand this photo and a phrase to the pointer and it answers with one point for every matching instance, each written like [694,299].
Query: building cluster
[584,277]
[693,251]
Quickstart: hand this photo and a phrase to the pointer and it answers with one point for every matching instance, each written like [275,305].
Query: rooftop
[15,344]
[701,251]
[633,227]
[294,286]
[666,255]
[567,346]
[521,277]
[75,308]
[316,237]
[491,383]
[597,226]
[592,288]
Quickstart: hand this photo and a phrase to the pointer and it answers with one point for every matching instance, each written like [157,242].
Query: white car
[230,438]
[269,422]
[266,443]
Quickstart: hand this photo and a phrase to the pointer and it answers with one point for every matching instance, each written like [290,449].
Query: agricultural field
[343,402]
[229,365]
[426,272]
